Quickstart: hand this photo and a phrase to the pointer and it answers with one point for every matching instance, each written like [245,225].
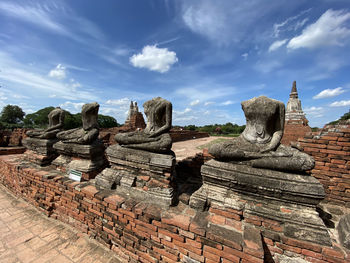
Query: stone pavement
[27,235]
[184,149]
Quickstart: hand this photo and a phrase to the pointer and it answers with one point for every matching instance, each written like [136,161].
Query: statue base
[149,175]
[89,160]
[285,197]
[40,151]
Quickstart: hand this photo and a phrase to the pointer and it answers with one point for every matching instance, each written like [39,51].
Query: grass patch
[207,145]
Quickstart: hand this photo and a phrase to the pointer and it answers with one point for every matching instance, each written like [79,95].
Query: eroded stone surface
[56,122]
[139,173]
[80,149]
[89,132]
[259,144]
[155,137]
[344,231]
[40,142]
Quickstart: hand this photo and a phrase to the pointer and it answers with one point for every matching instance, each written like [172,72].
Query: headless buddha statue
[259,144]
[56,122]
[155,137]
[89,132]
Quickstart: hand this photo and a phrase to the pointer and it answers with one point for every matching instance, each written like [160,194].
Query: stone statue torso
[260,119]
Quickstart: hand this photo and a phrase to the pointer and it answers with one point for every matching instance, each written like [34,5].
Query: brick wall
[140,232]
[184,135]
[294,130]
[331,151]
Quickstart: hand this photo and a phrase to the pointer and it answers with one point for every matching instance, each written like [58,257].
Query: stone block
[140,173]
[89,151]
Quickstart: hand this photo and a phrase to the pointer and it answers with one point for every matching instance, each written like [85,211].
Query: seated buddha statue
[89,132]
[155,137]
[56,122]
[259,144]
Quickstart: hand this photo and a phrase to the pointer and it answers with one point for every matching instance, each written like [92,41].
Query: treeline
[12,116]
[217,129]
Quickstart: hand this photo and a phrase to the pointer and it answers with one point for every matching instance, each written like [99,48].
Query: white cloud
[206,19]
[59,72]
[119,102]
[228,102]
[277,44]
[154,58]
[328,30]
[32,14]
[289,23]
[187,110]
[209,103]
[194,103]
[14,72]
[54,17]
[72,107]
[327,93]
[341,103]
[316,112]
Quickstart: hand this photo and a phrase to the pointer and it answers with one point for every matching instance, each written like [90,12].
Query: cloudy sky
[203,56]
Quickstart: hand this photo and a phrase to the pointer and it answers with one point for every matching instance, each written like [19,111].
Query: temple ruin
[252,199]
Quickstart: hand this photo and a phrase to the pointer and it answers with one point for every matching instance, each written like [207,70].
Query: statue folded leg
[283,158]
[298,161]
[138,140]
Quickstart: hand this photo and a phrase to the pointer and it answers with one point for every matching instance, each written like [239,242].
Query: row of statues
[259,144]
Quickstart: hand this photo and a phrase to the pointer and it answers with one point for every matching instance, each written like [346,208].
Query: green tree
[12,114]
[72,121]
[39,118]
[105,121]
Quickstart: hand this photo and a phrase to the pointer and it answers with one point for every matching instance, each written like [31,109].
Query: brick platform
[140,232]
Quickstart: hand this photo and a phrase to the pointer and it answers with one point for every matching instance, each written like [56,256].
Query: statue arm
[168,119]
[89,137]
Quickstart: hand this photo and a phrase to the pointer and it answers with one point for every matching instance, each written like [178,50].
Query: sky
[203,56]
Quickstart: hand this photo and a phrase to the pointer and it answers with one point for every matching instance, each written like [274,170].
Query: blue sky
[203,56]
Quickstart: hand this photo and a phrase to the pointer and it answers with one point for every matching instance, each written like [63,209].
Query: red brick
[302,244]
[115,200]
[172,235]
[89,190]
[179,220]
[165,253]
[211,256]
[217,219]
[289,248]
[234,223]
[193,243]
[333,253]
[310,253]
[195,256]
[186,234]
[187,247]
[314,260]
[228,214]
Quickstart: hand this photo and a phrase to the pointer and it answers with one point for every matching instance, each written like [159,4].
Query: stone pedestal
[87,159]
[40,151]
[145,175]
[285,197]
